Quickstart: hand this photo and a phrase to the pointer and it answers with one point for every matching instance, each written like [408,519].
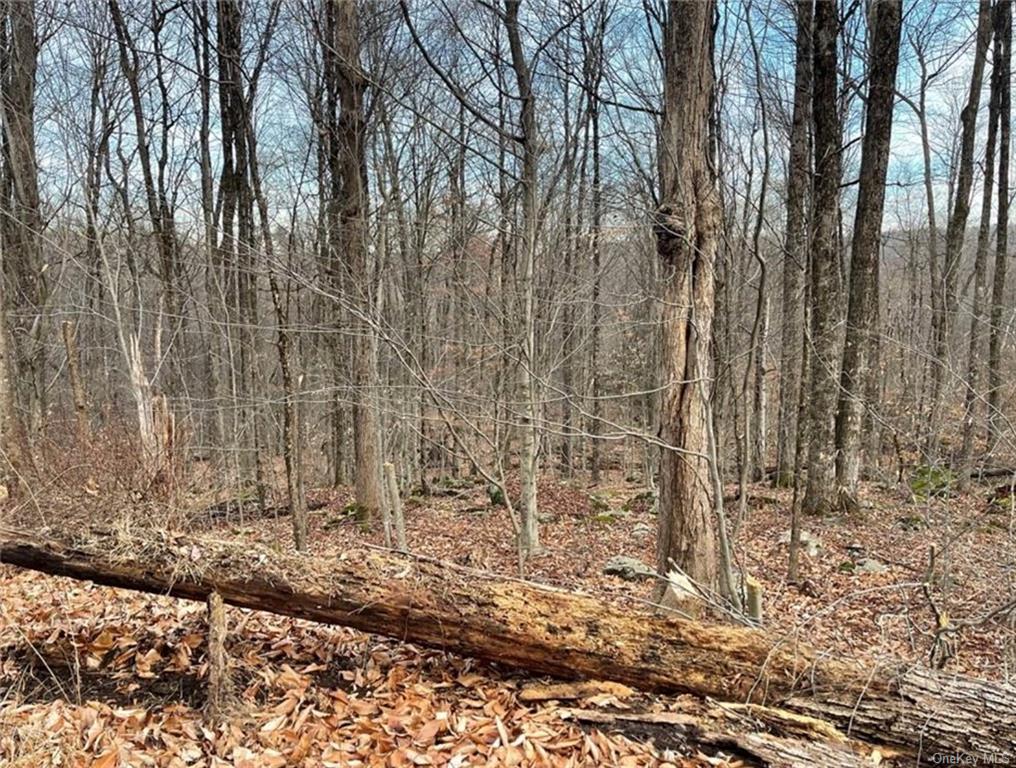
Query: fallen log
[546,630]
[712,731]
[987,473]
[246,509]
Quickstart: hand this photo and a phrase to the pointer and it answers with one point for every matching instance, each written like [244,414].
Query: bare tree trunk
[292,449]
[949,277]
[345,84]
[15,456]
[78,397]
[996,336]
[238,245]
[795,254]
[214,386]
[529,420]
[753,434]
[687,235]
[862,313]
[593,68]
[819,494]
[21,224]
[972,394]
[568,329]
[595,364]
[395,501]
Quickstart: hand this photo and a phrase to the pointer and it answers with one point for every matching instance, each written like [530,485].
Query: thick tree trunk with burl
[687,229]
[545,630]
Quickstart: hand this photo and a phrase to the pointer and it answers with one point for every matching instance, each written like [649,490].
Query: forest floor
[99,678]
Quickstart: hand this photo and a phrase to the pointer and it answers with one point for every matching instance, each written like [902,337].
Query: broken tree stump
[221,696]
[545,630]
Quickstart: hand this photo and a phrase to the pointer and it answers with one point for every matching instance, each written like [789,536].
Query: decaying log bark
[545,630]
[715,731]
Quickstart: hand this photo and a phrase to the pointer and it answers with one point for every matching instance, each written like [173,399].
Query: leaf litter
[94,677]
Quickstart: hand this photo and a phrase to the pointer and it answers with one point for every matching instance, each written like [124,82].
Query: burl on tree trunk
[545,630]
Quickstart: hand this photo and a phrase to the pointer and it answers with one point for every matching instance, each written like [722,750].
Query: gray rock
[809,542]
[628,568]
[870,565]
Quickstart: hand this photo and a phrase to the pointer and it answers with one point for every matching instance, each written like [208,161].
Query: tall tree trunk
[239,245]
[934,254]
[593,75]
[596,374]
[687,231]
[819,492]
[948,279]
[214,388]
[329,195]
[795,249]
[571,141]
[292,446]
[862,311]
[348,161]
[972,394]
[753,434]
[21,220]
[996,333]
[529,149]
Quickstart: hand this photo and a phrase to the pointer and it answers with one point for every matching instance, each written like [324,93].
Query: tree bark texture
[21,223]
[795,258]
[687,235]
[862,311]
[526,246]
[972,394]
[947,279]
[996,333]
[348,244]
[819,493]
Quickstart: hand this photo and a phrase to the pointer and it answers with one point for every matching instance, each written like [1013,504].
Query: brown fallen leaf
[105,760]
[426,735]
